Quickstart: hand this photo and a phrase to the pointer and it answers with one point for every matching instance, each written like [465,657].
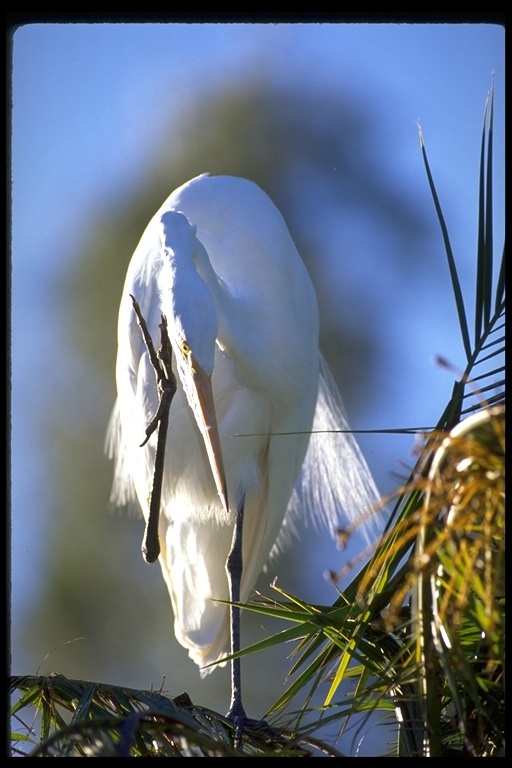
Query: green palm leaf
[421,625]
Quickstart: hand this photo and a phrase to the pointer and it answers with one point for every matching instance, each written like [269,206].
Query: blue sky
[89,102]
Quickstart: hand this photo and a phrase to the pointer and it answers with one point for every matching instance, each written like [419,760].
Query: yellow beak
[207,422]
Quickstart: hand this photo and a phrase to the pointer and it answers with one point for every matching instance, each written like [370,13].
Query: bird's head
[192,326]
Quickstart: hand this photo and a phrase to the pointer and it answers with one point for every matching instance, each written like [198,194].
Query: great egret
[218,262]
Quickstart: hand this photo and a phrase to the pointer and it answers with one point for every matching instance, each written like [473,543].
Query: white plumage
[218,261]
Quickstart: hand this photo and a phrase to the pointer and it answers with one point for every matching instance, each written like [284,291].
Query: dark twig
[166,383]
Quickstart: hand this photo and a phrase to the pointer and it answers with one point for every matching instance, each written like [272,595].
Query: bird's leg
[166,383]
[234,568]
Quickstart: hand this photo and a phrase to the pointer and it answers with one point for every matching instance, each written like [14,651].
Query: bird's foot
[243,724]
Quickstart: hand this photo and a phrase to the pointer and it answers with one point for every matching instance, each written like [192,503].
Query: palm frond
[75,718]
[421,624]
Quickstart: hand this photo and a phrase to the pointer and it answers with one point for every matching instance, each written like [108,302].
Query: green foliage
[420,630]
[421,627]
[83,719]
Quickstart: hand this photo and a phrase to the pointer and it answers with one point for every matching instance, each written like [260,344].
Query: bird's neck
[224,302]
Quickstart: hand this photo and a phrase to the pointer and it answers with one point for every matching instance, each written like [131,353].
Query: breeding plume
[218,267]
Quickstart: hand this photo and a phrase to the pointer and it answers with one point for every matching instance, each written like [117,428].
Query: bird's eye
[185,347]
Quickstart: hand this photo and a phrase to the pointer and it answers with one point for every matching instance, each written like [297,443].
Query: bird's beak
[207,422]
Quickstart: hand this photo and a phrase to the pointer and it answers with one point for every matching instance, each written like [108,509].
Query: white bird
[217,260]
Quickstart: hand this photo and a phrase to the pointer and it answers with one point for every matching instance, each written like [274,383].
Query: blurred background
[107,119]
